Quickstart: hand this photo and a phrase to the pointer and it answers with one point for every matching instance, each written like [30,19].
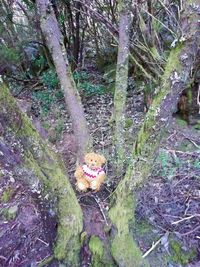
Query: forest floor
[168,209]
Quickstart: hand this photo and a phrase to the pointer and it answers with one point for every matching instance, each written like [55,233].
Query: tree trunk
[76,46]
[176,78]
[52,34]
[121,83]
[40,168]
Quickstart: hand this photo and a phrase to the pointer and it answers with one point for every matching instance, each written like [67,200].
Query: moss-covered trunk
[51,31]
[121,82]
[43,171]
[176,78]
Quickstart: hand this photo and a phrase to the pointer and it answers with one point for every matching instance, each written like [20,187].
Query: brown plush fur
[84,182]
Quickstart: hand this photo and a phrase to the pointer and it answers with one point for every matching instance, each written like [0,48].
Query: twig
[102,212]
[198,98]
[185,153]
[193,142]
[186,218]
[187,206]
[172,135]
[84,195]
[3,258]
[154,245]
[47,244]
[173,33]
[171,14]
[45,261]
[190,232]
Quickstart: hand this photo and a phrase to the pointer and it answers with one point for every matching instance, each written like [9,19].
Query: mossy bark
[53,36]
[176,78]
[42,169]
[121,82]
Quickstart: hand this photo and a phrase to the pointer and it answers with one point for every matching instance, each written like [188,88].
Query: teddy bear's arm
[96,184]
[82,184]
[79,173]
[101,178]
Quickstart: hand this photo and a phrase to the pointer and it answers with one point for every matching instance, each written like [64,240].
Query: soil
[27,233]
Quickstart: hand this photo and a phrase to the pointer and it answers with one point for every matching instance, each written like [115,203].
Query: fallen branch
[197,146]
[102,212]
[154,245]
[190,232]
[47,244]
[183,152]
[186,218]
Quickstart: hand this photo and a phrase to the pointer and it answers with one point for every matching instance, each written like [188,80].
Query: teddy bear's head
[94,160]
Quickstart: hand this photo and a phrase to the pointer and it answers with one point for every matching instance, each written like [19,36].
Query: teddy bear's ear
[88,156]
[102,159]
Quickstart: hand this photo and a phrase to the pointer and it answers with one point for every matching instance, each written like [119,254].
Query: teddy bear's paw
[94,185]
[81,186]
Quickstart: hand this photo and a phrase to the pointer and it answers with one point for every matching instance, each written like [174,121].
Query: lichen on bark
[121,83]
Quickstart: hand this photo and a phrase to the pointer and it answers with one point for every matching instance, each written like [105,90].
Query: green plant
[49,79]
[179,255]
[59,127]
[92,89]
[197,164]
[80,76]
[181,122]
[6,195]
[197,125]
[47,98]
[163,159]
[40,61]
[8,55]
[82,81]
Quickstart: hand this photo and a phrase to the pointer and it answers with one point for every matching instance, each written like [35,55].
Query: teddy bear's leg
[94,185]
[82,185]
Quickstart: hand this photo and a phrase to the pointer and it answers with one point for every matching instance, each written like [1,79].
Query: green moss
[10,213]
[197,125]
[173,63]
[123,247]
[83,237]
[46,262]
[179,255]
[190,96]
[181,122]
[7,194]
[128,123]
[97,249]
[122,212]
[129,254]
[41,166]
[143,227]
[100,253]
[96,246]
[155,53]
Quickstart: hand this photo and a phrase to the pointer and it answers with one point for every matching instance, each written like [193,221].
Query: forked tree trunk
[40,168]
[53,37]
[121,83]
[176,78]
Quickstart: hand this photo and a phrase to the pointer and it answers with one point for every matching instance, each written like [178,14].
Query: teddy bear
[91,174]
